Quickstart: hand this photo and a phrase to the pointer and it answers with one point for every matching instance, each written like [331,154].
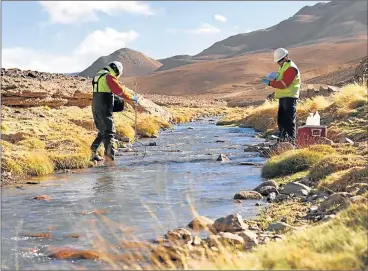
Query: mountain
[135,63]
[237,79]
[310,25]
[176,61]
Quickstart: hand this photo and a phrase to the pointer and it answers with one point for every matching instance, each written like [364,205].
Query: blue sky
[68,36]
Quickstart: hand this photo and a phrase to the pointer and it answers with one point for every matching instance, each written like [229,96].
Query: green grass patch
[290,162]
[292,178]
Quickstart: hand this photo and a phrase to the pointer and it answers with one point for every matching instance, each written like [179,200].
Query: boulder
[335,200]
[296,188]
[250,238]
[230,223]
[266,190]
[266,183]
[179,236]
[43,197]
[201,223]
[271,197]
[223,158]
[280,227]
[248,195]
[73,254]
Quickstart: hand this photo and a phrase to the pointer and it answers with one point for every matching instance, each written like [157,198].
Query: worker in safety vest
[106,100]
[287,85]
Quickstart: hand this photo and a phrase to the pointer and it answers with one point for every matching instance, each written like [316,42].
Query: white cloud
[220,18]
[203,29]
[96,44]
[68,12]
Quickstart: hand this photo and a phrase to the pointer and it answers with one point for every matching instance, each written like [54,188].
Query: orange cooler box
[309,134]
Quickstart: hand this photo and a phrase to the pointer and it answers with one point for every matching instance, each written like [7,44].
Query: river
[148,196]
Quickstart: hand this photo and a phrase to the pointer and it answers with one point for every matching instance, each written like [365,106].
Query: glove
[135,99]
[267,82]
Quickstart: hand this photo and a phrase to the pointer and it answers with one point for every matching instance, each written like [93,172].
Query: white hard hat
[279,54]
[119,67]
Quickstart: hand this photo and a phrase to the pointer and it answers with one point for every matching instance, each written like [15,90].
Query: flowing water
[148,196]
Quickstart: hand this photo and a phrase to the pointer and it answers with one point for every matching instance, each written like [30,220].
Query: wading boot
[96,157]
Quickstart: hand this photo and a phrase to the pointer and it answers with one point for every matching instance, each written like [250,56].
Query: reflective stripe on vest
[99,82]
[294,89]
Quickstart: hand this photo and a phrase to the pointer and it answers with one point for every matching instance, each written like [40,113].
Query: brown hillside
[311,24]
[135,63]
[237,78]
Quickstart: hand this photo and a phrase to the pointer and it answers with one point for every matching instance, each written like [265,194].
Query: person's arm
[116,88]
[286,80]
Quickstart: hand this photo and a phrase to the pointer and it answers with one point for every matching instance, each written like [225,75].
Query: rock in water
[223,158]
[230,223]
[266,183]
[248,195]
[266,190]
[296,189]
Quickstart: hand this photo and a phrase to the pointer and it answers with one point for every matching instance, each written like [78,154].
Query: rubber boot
[96,157]
[110,155]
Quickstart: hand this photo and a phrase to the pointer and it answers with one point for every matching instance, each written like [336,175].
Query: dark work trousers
[286,119]
[102,109]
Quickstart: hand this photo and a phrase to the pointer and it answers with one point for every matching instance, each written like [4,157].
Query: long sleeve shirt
[286,80]
[116,88]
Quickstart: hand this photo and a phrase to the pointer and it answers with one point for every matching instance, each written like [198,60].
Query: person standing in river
[108,97]
[287,85]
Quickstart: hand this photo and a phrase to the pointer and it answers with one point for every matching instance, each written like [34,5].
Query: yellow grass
[34,146]
[334,163]
[350,101]
[342,243]
[340,180]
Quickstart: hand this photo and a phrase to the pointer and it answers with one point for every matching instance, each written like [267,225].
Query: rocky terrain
[32,89]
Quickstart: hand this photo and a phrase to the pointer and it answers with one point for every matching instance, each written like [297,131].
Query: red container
[309,134]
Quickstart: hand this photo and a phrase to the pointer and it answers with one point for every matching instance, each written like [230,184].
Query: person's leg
[109,138]
[98,140]
[280,119]
[290,118]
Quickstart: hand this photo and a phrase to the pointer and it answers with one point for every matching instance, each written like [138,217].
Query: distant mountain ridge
[311,24]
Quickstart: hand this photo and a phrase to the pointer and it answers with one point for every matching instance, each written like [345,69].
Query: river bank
[39,141]
[318,196]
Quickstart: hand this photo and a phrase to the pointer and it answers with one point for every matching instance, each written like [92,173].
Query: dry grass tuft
[334,163]
[340,180]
